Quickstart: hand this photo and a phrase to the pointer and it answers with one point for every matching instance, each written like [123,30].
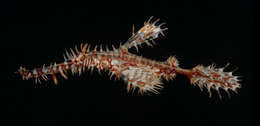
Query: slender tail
[74,61]
[211,78]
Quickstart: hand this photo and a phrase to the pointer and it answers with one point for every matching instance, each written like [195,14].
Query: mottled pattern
[138,72]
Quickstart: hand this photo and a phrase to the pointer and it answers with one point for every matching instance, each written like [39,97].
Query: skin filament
[138,72]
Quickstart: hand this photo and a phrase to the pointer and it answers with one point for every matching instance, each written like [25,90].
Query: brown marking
[54,78]
[140,83]
[140,40]
[143,28]
[150,28]
[148,34]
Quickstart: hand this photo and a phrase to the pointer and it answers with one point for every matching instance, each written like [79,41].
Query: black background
[200,32]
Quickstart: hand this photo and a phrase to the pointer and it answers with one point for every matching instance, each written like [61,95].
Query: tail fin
[215,78]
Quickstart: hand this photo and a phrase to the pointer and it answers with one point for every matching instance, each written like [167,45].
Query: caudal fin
[214,78]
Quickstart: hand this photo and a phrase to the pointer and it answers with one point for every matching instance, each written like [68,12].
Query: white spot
[125,72]
[44,70]
[60,68]
[204,80]
[66,64]
[34,71]
[218,85]
[79,57]
[29,75]
[157,29]
[210,84]
[139,74]
[73,66]
[115,62]
[54,68]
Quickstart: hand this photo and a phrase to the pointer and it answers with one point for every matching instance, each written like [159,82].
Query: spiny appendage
[146,75]
[143,78]
[172,63]
[77,61]
[215,78]
[74,61]
[148,32]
